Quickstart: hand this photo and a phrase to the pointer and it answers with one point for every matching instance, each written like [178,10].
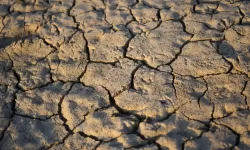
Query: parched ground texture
[124,74]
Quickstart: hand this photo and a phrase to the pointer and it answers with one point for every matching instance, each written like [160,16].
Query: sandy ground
[124,74]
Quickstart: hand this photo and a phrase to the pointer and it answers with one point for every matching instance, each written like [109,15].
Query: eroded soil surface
[124,74]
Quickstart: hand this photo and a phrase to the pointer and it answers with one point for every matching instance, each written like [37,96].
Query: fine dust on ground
[124,74]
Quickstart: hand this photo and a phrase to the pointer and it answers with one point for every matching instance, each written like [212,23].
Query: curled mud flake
[107,125]
[33,21]
[246,92]
[4,9]
[182,4]
[76,141]
[7,94]
[82,100]
[228,6]
[205,8]
[144,14]
[244,144]
[29,6]
[30,63]
[26,133]
[1,23]
[171,133]
[236,47]
[70,61]
[124,141]
[168,14]
[201,110]
[171,128]
[225,20]
[92,20]
[225,93]
[147,147]
[244,7]
[199,59]
[58,29]
[118,17]
[59,6]
[201,31]
[136,103]
[152,48]
[196,25]
[188,89]
[34,75]
[119,3]
[218,137]
[153,95]
[107,47]
[97,4]
[137,28]
[41,102]
[238,121]
[28,52]
[155,84]
[13,25]
[107,75]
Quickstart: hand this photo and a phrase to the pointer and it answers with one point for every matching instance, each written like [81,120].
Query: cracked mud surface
[124,74]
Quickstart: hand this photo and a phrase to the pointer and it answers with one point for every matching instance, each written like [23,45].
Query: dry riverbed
[124,74]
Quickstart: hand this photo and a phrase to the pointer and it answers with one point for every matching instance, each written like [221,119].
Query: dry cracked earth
[124,74]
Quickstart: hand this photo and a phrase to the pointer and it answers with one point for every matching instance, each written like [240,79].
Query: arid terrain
[125,74]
